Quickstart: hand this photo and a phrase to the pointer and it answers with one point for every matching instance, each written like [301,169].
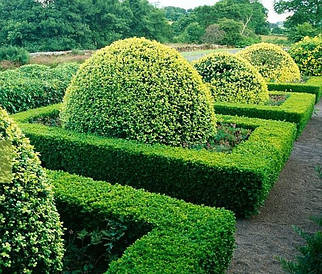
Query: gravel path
[295,197]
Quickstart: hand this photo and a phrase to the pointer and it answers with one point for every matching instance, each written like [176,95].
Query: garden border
[184,238]
[313,86]
[239,181]
[297,108]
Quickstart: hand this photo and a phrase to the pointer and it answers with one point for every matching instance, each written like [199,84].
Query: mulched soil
[295,197]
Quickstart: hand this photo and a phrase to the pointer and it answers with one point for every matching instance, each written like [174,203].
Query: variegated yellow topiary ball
[272,62]
[232,79]
[140,90]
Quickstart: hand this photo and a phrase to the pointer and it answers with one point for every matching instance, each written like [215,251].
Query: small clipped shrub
[14,54]
[140,90]
[308,55]
[272,62]
[30,229]
[232,79]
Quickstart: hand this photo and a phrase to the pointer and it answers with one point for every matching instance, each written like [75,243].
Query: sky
[189,4]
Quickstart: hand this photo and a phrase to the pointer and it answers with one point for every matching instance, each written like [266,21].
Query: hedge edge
[185,238]
[313,86]
[297,108]
[239,181]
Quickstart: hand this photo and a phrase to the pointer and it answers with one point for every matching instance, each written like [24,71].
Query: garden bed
[239,180]
[297,108]
[170,236]
[313,86]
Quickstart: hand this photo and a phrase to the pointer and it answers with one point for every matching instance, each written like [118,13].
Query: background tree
[213,35]
[302,11]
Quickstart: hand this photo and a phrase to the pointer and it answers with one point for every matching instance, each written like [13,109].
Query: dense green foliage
[186,238]
[239,181]
[30,229]
[238,21]
[308,55]
[301,31]
[313,86]
[33,86]
[298,109]
[16,55]
[70,24]
[302,11]
[232,79]
[140,90]
[305,18]
[272,62]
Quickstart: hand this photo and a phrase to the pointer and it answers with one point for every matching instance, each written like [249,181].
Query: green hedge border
[184,238]
[239,181]
[313,86]
[297,108]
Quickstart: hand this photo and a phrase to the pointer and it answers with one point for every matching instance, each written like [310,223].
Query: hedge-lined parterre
[30,229]
[232,79]
[272,62]
[239,181]
[141,90]
[32,86]
[297,108]
[313,86]
[182,238]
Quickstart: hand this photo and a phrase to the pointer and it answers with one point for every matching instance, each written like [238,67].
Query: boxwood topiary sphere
[140,90]
[232,79]
[272,62]
[30,230]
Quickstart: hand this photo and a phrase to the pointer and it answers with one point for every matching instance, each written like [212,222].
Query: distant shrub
[308,55]
[272,62]
[30,229]
[32,86]
[14,54]
[232,79]
[140,90]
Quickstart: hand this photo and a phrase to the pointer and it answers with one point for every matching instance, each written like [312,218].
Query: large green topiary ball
[307,53]
[30,230]
[232,79]
[140,90]
[272,62]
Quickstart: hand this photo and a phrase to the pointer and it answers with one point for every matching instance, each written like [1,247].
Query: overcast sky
[189,4]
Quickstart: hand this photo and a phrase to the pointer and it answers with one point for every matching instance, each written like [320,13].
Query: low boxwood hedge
[297,108]
[239,181]
[183,238]
[313,85]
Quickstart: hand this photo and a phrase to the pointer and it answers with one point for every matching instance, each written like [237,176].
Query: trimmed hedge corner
[297,108]
[313,86]
[183,238]
[239,181]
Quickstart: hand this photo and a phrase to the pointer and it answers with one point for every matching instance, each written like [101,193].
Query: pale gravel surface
[295,197]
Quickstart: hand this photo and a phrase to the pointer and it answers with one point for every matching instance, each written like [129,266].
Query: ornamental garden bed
[297,108]
[313,85]
[239,180]
[165,235]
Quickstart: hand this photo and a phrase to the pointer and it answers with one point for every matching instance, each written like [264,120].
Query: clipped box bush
[308,55]
[30,229]
[239,181]
[313,86]
[232,79]
[297,108]
[140,90]
[272,62]
[33,86]
[178,237]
